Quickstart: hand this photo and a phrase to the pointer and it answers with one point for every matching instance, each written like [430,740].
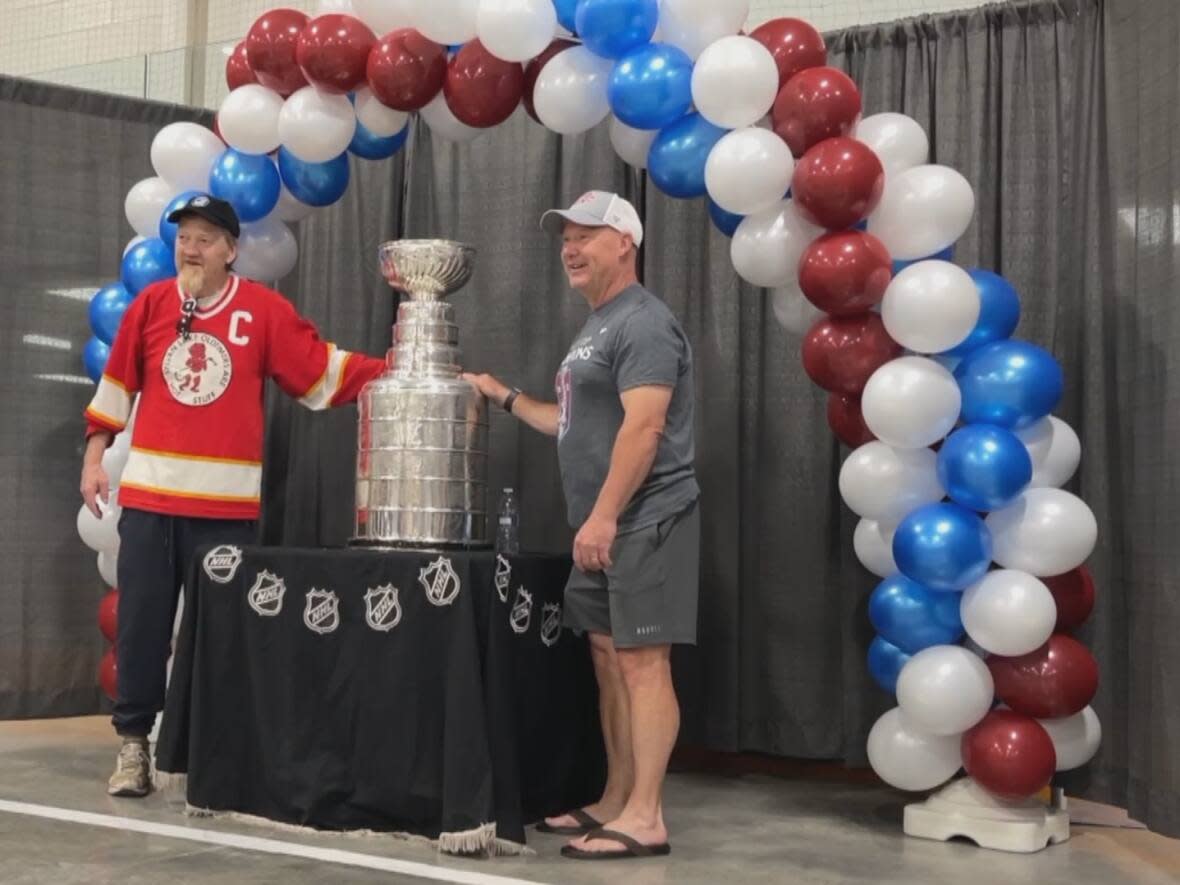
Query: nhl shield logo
[221,563]
[266,596]
[322,612]
[382,610]
[503,576]
[440,582]
[551,623]
[522,611]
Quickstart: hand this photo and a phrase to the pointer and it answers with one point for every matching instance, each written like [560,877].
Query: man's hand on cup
[489,386]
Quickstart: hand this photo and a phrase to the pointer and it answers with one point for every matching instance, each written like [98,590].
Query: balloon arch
[924,382]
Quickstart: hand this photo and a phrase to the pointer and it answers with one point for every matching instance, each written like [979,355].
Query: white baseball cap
[597,209]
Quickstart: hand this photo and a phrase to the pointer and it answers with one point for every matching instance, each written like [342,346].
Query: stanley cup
[422,447]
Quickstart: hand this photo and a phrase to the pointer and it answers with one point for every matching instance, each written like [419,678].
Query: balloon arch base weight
[964,809]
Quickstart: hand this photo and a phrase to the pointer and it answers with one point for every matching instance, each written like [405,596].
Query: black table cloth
[433,693]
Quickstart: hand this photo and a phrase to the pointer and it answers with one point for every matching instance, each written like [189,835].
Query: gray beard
[192,280]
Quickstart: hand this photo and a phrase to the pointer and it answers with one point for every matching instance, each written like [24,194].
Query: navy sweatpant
[155,552]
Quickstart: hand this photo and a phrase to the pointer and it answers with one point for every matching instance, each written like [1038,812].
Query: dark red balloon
[1009,754]
[107,673]
[840,353]
[1074,594]
[1058,679]
[815,104]
[270,49]
[332,52]
[533,70]
[847,421]
[237,68]
[406,70]
[795,45]
[108,615]
[838,182]
[482,90]
[845,272]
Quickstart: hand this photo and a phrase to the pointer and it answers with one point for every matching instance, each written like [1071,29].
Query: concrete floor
[729,830]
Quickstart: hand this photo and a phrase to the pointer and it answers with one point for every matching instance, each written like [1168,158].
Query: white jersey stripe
[193,477]
[321,393]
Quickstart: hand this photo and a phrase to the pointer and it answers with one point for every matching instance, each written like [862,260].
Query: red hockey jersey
[196,446]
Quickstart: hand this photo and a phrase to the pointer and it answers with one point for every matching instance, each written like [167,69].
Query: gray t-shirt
[631,341]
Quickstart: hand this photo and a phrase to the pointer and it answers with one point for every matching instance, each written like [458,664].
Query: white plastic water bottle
[508,527]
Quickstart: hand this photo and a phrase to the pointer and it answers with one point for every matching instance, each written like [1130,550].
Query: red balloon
[107,673]
[1074,594]
[237,68]
[845,272]
[108,615]
[406,70]
[1058,679]
[840,353]
[838,182]
[270,49]
[1009,754]
[482,90]
[795,45]
[847,421]
[533,70]
[815,104]
[332,52]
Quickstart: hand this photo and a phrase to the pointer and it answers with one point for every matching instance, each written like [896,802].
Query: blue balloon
[913,617]
[317,184]
[94,358]
[983,467]
[248,182]
[676,162]
[651,86]
[1009,383]
[943,546]
[376,147]
[146,263]
[168,228]
[999,312]
[945,255]
[106,310]
[726,222]
[567,14]
[885,663]
[611,28]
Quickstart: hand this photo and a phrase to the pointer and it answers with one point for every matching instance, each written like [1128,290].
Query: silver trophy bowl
[426,270]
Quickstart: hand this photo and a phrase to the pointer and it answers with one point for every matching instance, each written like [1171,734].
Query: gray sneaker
[133,771]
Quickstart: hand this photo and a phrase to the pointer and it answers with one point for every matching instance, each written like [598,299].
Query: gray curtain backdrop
[1062,114]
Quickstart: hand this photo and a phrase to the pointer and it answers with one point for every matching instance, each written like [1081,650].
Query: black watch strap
[511,398]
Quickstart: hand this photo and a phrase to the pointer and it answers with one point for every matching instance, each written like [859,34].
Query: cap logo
[588,197]
[199,202]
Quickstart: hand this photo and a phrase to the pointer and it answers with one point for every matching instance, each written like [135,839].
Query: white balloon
[99,534]
[899,142]
[570,93]
[911,402]
[1075,738]
[516,30]
[383,16]
[288,208]
[442,122]
[792,310]
[1008,612]
[145,203]
[873,543]
[135,241]
[1044,532]
[749,170]
[694,24]
[107,567]
[945,690]
[249,119]
[448,22]
[379,119]
[930,306]
[766,247]
[632,145]
[267,250]
[1055,450]
[909,759]
[183,155]
[316,126]
[880,482]
[922,211]
[734,82]
[344,7]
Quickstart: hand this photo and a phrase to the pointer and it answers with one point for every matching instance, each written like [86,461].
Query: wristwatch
[511,398]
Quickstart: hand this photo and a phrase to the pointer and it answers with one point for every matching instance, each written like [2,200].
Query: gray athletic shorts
[648,596]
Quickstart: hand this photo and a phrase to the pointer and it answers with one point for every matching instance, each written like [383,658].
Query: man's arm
[95,483]
[536,414]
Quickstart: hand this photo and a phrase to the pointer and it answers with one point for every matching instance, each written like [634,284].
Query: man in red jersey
[197,350]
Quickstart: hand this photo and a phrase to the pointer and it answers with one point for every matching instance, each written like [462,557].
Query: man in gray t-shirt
[624,428]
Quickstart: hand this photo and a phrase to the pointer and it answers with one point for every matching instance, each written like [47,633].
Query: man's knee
[645,664]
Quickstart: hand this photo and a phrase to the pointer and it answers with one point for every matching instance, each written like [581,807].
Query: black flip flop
[586,824]
[632,848]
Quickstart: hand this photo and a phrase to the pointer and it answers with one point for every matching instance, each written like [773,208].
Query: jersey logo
[197,370]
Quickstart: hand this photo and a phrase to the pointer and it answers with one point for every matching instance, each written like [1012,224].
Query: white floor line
[266,846]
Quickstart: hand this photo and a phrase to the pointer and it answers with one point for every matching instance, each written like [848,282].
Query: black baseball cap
[213,210]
